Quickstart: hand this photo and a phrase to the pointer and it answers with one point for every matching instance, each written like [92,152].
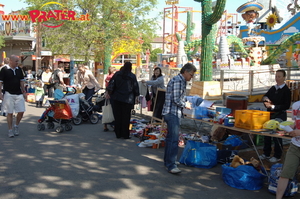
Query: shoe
[177,163]
[274,159]
[11,134]
[127,137]
[175,170]
[263,157]
[105,130]
[16,130]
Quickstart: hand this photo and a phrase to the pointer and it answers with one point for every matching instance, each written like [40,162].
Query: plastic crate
[201,112]
[251,119]
[259,140]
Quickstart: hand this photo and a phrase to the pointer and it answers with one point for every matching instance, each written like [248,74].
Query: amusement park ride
[258,43]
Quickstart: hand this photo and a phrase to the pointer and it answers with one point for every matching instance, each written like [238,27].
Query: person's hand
[25,96]
[188,105]
[106,95]
[295,133]
[268,104]
[1,96]
[143,81]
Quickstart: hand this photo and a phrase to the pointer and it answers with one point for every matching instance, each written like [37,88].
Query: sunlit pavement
[89,163]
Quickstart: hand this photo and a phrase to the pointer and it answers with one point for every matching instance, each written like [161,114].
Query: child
[39,93]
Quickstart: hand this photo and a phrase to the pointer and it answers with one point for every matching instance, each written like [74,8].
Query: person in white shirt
[48,86]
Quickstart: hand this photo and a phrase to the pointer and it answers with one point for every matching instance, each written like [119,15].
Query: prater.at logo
[58,15]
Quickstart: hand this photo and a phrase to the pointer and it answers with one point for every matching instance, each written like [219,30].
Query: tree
[109,21]
[153,56]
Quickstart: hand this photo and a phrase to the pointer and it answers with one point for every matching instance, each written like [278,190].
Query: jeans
[171,142]
[88,93]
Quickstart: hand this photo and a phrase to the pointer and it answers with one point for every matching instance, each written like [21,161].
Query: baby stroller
[87,111]
[59,111]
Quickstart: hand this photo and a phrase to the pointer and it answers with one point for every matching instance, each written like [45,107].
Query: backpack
[292,187]
[54,77]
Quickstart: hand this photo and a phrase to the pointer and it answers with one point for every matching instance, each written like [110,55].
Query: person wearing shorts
[12,80]
[291,163]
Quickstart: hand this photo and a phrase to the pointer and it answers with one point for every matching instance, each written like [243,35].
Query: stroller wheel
[50,125]
[68,127]
[77,120]
[43,127]
[94,119]
[59,129]
[40,127]
[133,112]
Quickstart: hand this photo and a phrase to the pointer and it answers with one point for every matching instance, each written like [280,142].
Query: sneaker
[175,170]
[10,134]
[274,159]
[16,130]
[177,163]
[263,157]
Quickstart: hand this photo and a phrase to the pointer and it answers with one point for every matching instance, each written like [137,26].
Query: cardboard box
[30,97]
[206,89]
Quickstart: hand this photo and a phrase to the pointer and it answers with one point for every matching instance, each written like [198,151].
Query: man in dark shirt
[277,100]
[12,79]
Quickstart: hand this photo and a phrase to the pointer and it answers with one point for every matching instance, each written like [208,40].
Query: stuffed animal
[253,162]
[237,161]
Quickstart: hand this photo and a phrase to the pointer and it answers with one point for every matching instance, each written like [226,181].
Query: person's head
[60,66]
[280,77]
[187,71]
[6,60]
[81,68]
[111,70]
[47,69]
[13,61]
[127,67]
[29,71]
[39,84]
[157,72]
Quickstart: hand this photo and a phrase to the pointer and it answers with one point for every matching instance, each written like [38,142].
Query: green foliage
[153,56]
[109,21]
[2,42]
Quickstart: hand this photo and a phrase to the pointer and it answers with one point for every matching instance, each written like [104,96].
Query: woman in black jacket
[124,91]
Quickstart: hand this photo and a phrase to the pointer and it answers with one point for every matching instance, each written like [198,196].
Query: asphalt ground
[88,163]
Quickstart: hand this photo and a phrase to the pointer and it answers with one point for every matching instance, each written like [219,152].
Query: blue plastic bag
[233,140]
[275,172]
[194,100]
[242,177]
[198,154]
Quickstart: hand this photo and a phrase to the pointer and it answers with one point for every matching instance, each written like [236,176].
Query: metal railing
[248,81]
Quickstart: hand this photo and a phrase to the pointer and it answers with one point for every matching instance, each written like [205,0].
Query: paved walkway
[87,163]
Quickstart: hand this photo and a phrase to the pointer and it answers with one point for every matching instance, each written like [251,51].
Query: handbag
[107,113]
[111,86]
[198,154]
